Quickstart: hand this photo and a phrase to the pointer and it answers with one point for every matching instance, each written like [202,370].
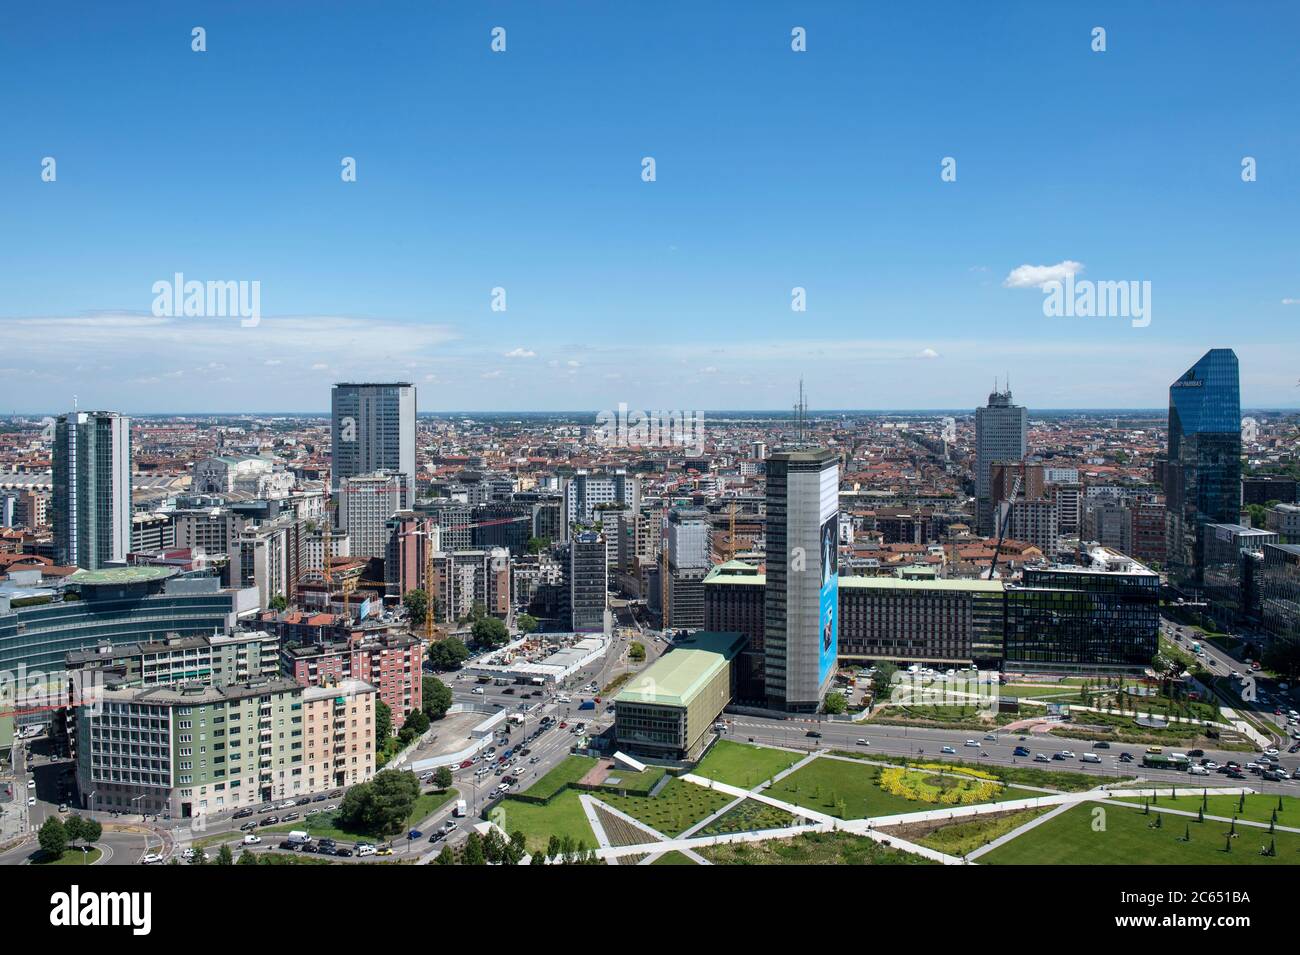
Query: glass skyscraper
[92,489]
[1202,474]
[373,429]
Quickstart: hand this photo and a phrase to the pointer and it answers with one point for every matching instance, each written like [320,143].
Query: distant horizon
[813,413]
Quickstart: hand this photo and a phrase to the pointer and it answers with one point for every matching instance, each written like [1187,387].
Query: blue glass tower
[1202,476]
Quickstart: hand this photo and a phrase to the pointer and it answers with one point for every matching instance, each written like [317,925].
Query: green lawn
[1071,839]
[678,806]
[739,764]
[674,858]
[1012,775]
[637,784]
[750,816]
[960,838]
[569,771]
[70,857]
[562,816]
[813,848]
[1259,806]
[825,784]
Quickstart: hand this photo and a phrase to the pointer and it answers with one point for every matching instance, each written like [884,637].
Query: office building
[1279,588]
[366,503]
[934,622]
[1231,565]
[668,710]
[1265,489]
[372,428]
[733,603]
[588,582]
[1100,614]
[688,564]
[1284,520]
[92,489]
[1202,472]
[801,595]
[1001,434]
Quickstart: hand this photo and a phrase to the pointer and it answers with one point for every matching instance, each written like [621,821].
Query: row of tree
[55,835]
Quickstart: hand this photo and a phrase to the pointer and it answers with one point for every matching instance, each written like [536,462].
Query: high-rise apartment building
[801,598]
[373,429]
[588,492]
[1202,473]
[366,504]
[588,582]
[92,488]
[1001,434]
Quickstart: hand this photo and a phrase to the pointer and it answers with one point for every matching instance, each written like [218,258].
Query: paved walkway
[1019,831]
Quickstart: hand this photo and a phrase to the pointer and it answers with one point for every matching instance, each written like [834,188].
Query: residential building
[92,489]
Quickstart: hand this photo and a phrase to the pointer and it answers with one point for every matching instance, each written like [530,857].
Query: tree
[489,631]
[526,623]
[416,603]
[553,847]
[518,846]
[448,654]
[536,545]
[381,806]
[436,698]
[477,611]
[73,829]
[279,604]
[53,838]
[91,830]
[445,857]
[415,725]
[442,778]
[199,858]
[636,651]
[225,856]
[474,850]
[247,858]
[882,682]
[494,847]
[383,724]
[834,703]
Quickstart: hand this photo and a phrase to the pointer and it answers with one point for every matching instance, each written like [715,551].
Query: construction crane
[731,533]
[1006,518]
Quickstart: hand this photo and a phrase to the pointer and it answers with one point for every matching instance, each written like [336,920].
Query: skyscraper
[1202,474]
[373,429]
[801,597]
[588,582]
[1001,434]
[92,488]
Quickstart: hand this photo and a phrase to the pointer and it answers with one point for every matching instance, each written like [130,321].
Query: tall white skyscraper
[373,429]
[92,488]
[801,598]
[1001,434]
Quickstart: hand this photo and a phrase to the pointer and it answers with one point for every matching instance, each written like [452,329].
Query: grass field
[674,858]
[1011,775]
[750,816]
[638,784]
[1259,806]
[569,771]
[813,848]
[740,764]
[678,806]
[562,816]
[1071,839]
[70,857]
[960,838]
[849,791]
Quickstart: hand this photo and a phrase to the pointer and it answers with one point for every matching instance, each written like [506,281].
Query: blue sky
[522,170]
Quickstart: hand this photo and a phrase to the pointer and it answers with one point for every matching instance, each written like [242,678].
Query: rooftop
[121,575]
[676,677]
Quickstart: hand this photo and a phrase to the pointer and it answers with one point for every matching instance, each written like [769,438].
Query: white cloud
[709,370]
[494,373]
[1036,276]
[521,353]
[927,353]
[1291,301]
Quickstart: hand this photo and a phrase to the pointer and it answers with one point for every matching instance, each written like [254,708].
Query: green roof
[121,575]
[677,676]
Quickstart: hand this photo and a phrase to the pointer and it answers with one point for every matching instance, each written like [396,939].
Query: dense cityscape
[739,437]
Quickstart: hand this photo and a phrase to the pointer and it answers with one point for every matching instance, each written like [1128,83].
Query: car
[1058,756]
[242,814]
[248,827]
[1020,751]
[31,800]
[331,807]
[366,850]
[290,846]
[1126,757]
[1101,744]
[384,851]
[344,852]
[991,736]
[151,858]
[450,825]
[303,801]
[251,839]
[1067,753]
[478,690]
[321,798]
[813,734]
[289,817]
[268,820]
[949,750]
[1040,758]
[467,764]
[415,834]
[863,742]
[287,804]
[1154,750]
[1236,774]
[31,784]
[63,807]
[970,742]
[1271,751]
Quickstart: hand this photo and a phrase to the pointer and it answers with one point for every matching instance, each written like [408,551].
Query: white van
[365,850]
[298,835]
[1091,758]
[461,808]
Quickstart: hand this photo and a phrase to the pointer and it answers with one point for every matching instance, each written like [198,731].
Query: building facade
[372,428]
[92,489]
